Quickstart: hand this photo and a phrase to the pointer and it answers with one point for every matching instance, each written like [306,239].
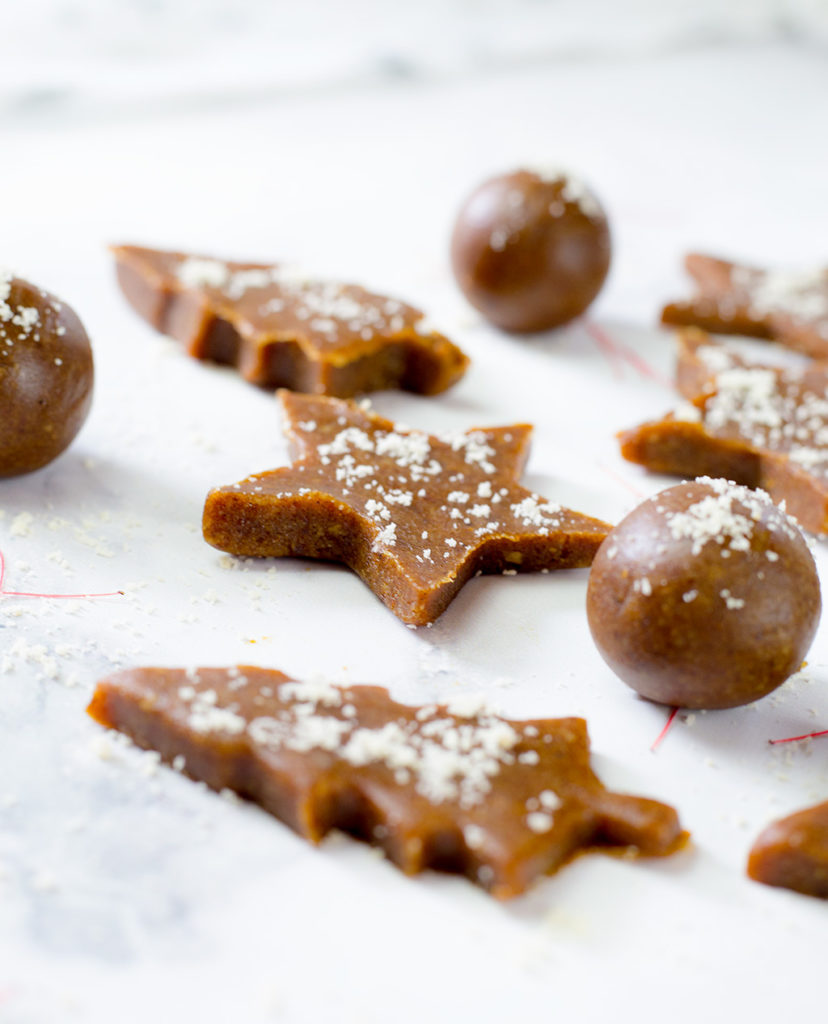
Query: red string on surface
[658,740]
[608,349]
[805,736]
[22,593]
[620,480]
[616,350]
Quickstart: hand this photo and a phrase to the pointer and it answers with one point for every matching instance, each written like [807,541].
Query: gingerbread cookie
[453,787]
[788,307]
[793,853]
[413,514]
[283,329]
[762,426]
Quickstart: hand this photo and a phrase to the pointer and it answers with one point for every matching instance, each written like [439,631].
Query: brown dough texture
[790,307]
[282,328]
[415,515]
[453,787]
[46,376]
[531,249]
[793,853]
[762,426]
[704,596]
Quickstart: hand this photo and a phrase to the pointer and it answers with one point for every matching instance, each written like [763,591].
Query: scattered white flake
[469,705]
[206,717]
[531,757]
[539,821]
[316,691]
[689,595]
[686,412]
[386,537]
[550,800]
[536,512]
[726,517]
[101,746]
[21,525]
[474,836]
[800,294]
[199,273]
[732,603]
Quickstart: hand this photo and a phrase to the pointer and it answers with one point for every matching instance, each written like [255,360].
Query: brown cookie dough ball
[46,376]
[531,250]
[705,596]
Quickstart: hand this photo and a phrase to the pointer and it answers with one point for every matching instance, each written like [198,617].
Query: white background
[128,894]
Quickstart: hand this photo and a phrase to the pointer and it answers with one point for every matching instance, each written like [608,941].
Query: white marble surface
[128,894]
[69,57]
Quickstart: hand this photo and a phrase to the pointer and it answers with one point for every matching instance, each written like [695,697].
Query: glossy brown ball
[705,596]
[46,376]
[531,250]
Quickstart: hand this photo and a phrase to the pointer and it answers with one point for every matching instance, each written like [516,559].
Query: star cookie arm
[282,329]
[717,306]
[456,788]
[793,853]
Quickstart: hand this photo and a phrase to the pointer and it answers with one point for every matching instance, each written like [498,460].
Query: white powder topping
[534,511]
[802,295]
[206,717]
[539,821]
[732,603]
[716,358]
[778,410]
[474,836]
[332,310]
[727,517]
[686,412]
[451,754]
[549,800]
[469,705]
[199,273]
[386,537]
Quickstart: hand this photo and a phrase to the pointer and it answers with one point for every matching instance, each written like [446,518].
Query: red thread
[664,731]
[608,349]
[21,593]
[621,351]
[620,479]
[806,736]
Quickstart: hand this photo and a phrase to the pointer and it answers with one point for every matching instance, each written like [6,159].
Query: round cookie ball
[531,250]
[704,596]
[46,376]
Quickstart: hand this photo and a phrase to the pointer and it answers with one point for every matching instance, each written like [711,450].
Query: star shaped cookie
[453,787]
[762,426]
[281,328]
[790,307]
[415,515]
